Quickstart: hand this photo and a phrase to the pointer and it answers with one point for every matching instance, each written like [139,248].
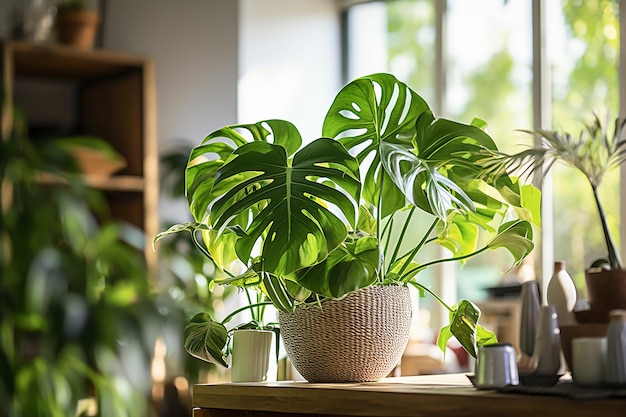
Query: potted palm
[319,225]
[597,149]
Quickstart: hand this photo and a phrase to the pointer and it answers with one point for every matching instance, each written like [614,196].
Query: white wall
[194,45]
[289,61]
[220,62]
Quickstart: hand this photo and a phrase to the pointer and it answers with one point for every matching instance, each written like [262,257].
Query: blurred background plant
[80,322]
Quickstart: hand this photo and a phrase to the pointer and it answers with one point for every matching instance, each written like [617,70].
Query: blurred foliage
[78,318]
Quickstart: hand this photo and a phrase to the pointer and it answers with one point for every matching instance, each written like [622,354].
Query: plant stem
[439,261]
[416,249]
[252,310]
[435,296]
[614,257]
[381,270]
[240,309]
[402,233]
[386,233]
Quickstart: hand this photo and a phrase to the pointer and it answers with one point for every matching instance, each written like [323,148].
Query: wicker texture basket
[356,339]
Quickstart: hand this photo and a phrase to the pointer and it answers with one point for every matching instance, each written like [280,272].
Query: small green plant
[596,150]
[308,222]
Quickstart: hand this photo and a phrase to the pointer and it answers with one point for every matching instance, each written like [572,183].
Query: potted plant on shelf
[595,151]
[313,226]
[76,23]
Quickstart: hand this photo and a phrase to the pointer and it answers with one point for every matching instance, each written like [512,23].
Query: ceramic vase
[547,351]
[529,317]
[251,355]
[616,348]
[562,294]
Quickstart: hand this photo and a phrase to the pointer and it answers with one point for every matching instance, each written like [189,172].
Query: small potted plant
[596,150]
[315,227]
[76,23]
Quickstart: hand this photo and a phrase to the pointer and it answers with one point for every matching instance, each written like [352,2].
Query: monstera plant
[304,223]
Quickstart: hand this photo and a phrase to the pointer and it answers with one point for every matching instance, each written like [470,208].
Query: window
[475,59]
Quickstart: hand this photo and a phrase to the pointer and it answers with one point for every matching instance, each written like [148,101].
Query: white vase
[562,294]
[251,355]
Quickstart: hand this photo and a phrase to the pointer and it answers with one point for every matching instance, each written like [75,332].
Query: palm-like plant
[313,222]
[594,152]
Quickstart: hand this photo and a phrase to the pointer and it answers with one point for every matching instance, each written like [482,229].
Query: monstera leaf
[208,157]
[422,184]
[515,236]
[366,113]
[286,202]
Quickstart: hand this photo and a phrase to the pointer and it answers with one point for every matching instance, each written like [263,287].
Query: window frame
[542,116]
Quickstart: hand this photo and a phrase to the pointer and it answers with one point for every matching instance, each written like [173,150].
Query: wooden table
[431,396]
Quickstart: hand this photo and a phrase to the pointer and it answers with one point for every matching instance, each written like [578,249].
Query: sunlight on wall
[289,62]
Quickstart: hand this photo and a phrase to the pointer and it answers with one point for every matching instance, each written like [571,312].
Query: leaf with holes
[287,202]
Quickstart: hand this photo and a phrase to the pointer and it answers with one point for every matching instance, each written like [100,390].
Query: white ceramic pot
[251,355]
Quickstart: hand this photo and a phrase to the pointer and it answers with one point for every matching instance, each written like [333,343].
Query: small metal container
[496,366]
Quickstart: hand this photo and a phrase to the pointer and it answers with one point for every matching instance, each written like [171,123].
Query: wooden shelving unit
[106,94]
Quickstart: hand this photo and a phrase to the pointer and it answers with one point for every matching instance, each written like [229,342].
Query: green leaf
[485,337]
[422,184]
[445,334]
[516,237]
[206,339]
[275,289]
[452,143]
[463,323]
[351,266]
[206,159]
[221,246]
[366,222]
[531,200]
[287,207]
[367,112]
[459,235]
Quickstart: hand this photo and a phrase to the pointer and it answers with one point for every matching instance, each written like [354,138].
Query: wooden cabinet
[107,94]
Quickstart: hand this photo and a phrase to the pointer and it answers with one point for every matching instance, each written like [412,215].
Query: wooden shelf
[105,94]
[56,61]
[122,183]
[429,395]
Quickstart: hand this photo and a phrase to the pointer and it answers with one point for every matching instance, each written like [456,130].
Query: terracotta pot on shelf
[77,28]
[606,292]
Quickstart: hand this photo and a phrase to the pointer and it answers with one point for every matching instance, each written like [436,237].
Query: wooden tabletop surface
[433,395]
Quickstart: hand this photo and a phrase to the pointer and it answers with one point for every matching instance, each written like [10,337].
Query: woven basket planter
[358,338]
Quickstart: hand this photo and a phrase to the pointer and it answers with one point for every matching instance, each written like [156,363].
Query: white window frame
[542,115]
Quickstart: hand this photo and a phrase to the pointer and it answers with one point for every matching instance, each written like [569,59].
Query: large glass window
[583,51]
[483,52]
